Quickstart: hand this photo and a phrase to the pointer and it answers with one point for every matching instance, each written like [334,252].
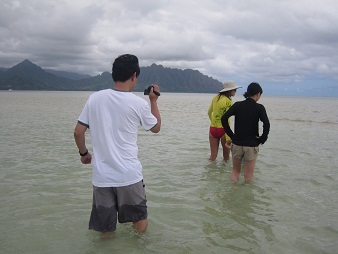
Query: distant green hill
[28,76]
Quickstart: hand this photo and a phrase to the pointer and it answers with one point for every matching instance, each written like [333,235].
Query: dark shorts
[217,132]
[125,204]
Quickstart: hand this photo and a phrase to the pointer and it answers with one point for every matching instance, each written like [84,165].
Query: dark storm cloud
[267,40]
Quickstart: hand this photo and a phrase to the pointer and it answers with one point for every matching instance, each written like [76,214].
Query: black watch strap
[83,154]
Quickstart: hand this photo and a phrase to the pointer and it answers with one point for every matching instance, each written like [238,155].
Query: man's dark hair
[253,89]
[124,67]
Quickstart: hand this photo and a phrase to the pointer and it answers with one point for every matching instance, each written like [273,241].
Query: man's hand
[152,95]
[86,159]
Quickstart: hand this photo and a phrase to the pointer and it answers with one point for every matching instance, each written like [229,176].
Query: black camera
[147,91]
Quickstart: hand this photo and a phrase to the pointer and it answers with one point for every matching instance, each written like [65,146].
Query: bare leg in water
[249,167]
[236,169]
[141,225]
[226,148]
[214,145]
[249,170]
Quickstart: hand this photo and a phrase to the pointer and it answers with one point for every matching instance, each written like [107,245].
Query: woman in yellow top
[219,105]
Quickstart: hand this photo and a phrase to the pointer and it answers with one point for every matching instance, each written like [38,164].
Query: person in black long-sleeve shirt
[246,139]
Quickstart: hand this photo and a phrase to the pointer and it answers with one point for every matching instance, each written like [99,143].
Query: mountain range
[28,76]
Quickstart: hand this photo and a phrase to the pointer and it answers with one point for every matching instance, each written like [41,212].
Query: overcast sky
[247,40]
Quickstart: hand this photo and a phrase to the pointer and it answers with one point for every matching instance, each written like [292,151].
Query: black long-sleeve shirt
[247,115]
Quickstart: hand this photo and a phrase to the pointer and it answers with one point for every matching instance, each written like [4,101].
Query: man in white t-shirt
[113,117]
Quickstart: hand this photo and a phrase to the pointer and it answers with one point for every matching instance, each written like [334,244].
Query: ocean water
[290,207]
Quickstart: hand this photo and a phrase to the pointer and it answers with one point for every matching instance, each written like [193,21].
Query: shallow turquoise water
[291,207]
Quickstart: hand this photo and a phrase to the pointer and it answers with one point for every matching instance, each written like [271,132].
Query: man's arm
[154,108]
[80,140]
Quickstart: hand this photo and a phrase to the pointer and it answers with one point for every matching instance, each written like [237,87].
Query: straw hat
[229,85]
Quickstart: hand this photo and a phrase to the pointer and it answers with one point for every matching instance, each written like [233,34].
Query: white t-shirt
[114,118]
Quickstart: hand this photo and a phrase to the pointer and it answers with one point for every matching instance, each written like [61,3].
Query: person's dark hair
[226,93]
[124,67]
[253,89]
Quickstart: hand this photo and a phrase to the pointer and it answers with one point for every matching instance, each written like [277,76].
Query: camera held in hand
[147,91]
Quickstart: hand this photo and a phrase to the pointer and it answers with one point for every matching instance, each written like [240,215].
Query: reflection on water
[239,216]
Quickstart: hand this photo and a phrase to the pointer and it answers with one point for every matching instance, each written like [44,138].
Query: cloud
[262,40]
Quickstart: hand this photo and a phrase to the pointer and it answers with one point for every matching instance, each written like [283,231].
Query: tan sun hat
[229,85]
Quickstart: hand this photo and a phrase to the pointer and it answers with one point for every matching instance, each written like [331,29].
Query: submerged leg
[226,148]
[249,170]
[141,225]
[236,169]
[214,145]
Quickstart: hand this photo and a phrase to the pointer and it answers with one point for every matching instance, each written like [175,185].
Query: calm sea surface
[291,207]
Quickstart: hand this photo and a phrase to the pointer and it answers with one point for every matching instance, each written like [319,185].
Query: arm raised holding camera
[153,96]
